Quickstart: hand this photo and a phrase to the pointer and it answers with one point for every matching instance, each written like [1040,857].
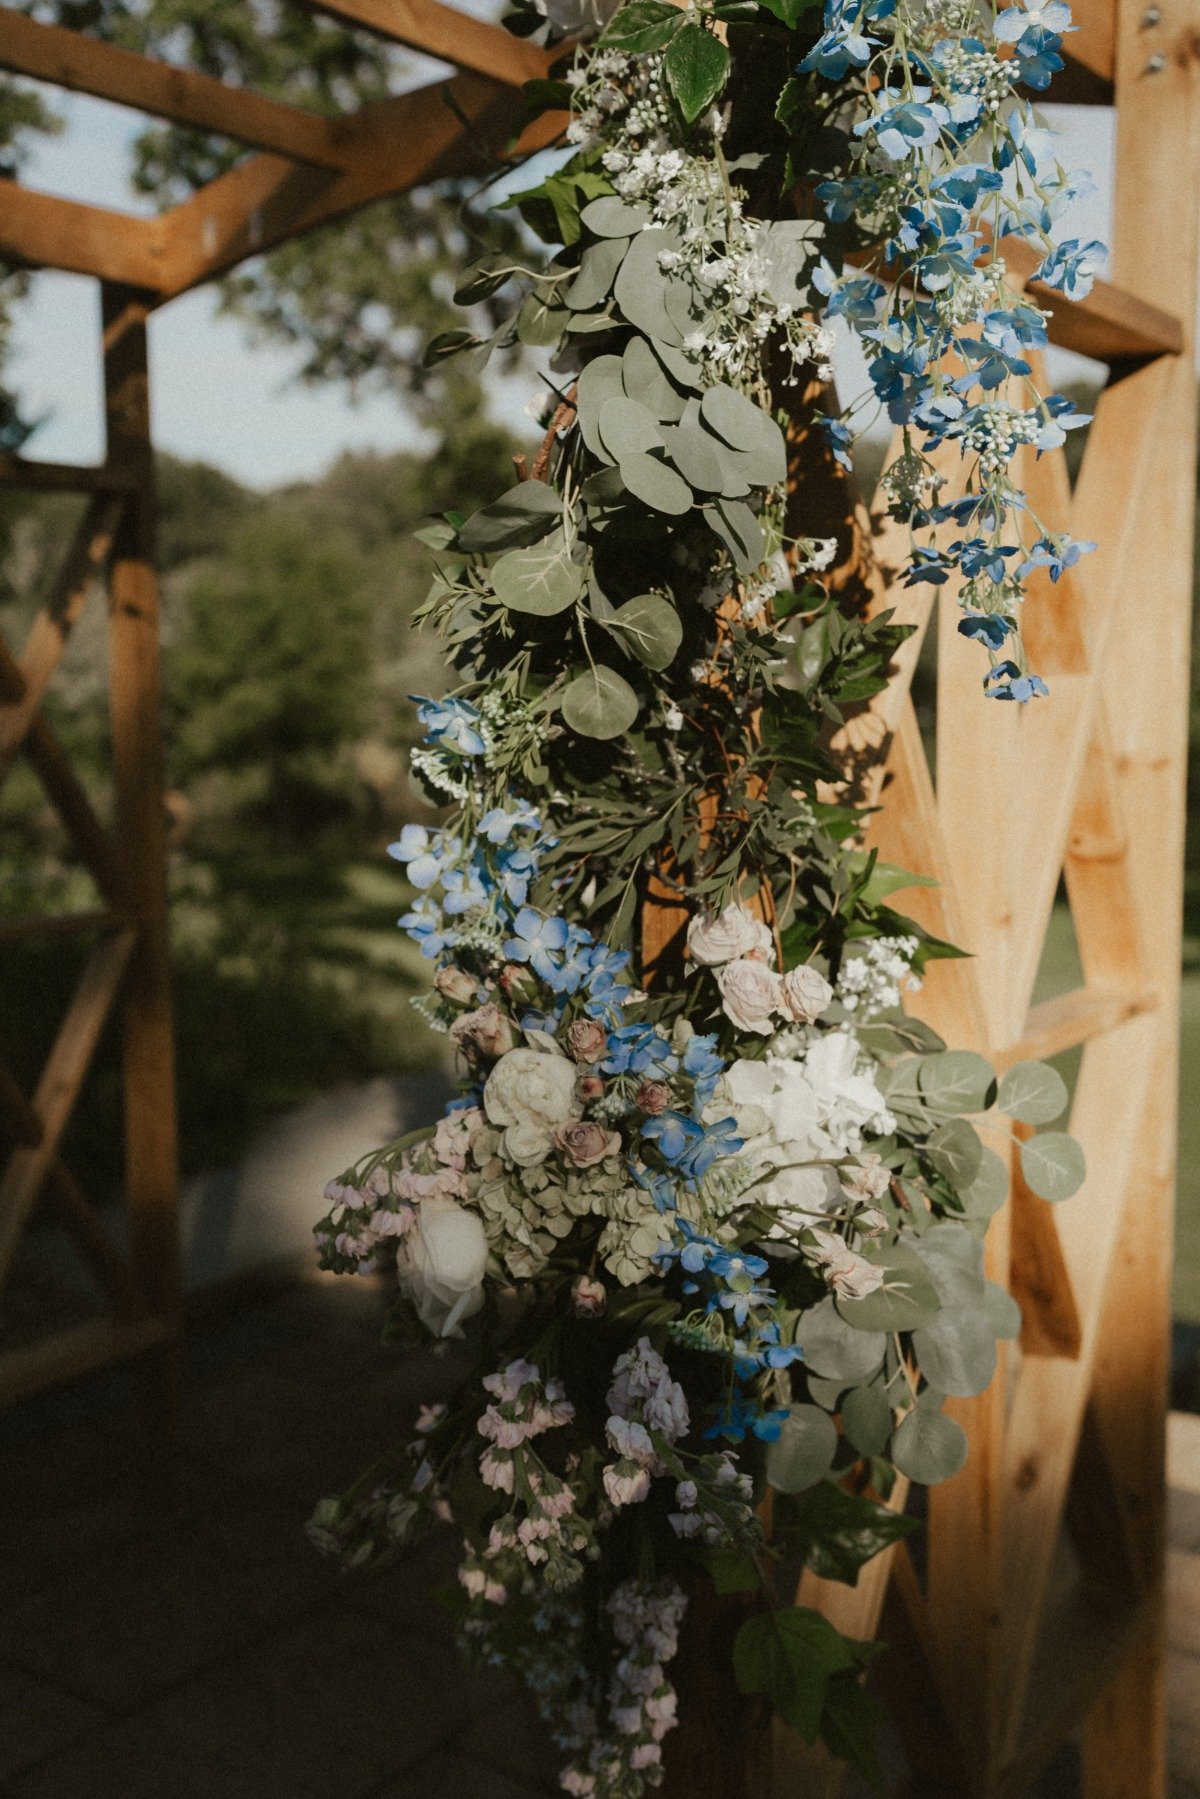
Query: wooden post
[1146,677]
[151,1170]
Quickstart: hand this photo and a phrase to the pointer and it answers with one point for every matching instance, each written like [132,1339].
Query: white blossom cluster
[621,101]
[873,979]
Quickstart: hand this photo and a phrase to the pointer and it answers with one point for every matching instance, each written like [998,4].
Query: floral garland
[715,1203]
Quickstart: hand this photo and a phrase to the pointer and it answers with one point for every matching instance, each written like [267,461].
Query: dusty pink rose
[866,1179]
[456,985]
[653,1097]
[588,1296]
[485,1030]
[585,1143]
[589,1086]
[586,1040]
[751,994]
[735,933]
[806,993]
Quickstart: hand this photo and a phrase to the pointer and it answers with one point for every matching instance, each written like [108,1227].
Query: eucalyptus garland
[711,1200]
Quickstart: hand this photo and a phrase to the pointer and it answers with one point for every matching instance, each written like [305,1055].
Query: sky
[218,398]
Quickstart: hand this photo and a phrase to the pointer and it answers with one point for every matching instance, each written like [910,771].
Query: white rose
[806,993]
[441,1265]
[735,933]
[750,995]
[530,1094]
[849,1101]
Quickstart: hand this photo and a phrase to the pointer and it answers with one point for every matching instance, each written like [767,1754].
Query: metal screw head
[1155,64]
[1151,17]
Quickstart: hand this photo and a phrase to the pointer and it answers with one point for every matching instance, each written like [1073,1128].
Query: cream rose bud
[586,1040]
[806,993]
[867,1178]
[486,1030]
[588,1296]
[751,994]
[585,1143]
[456,985]
[735,933]
[441,1264]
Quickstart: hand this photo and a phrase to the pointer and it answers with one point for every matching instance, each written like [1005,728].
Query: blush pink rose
[750,994]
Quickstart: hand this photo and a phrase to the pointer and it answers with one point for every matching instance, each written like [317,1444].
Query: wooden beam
[1039,1280]
[61,1080]
[1070,1019]
[59,924]
[70,60]
[46,232]
[1110,324]
[84,562]
[61,477]
[447,128]
[80,1350]
[447,33]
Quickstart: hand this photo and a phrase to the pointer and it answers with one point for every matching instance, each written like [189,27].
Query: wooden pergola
[1010,1642]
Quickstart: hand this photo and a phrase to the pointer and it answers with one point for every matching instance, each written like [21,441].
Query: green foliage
[836,1532]
[804,1667]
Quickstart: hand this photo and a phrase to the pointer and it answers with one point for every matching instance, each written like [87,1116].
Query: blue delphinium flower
[991,628]
[451,724]
[1006,682]
[425,854]
[537,940]
[1072,267]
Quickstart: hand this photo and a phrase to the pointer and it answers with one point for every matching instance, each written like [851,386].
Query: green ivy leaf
[1053,1165]
[850,1724]
[599,703]
[837,1532]
[730,1570]
[643,27]
[520,516]
[789,1656]
[789,11]
[696,65]
[1033,1093]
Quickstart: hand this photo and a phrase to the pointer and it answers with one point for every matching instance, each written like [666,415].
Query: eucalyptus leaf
[987,1192]
[520,516]
[627,428]
[597,268]
[955,1151]
[539,323]
[599,381]
[804,1450]
[957,1352]
[836,1350]
[867,1419]
[696,455]
[599,703]
[907,1299]
[739,531]
[1003,1312]
[650,627]
[541,579]
[742,424]
[680,365]
[956,1080]
[1053,1165]
[928,1446]
[655,484]
[610,216]
[825,1393]
[696,66]
[640,288]
[954,1259]
[1033,1093]
[647,381]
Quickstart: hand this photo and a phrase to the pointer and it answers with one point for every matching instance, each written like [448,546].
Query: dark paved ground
[214,1655]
